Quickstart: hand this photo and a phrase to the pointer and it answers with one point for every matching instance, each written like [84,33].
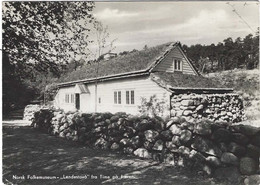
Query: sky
[136,24]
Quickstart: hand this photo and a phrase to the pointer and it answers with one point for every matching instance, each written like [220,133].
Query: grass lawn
[27,151]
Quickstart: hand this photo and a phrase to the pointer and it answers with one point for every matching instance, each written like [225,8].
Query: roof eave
[225,90]
[104,78]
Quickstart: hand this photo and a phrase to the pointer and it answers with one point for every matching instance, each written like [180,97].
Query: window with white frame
[67,98]
[130,97]
[72,98]
[117,97]
[177,64]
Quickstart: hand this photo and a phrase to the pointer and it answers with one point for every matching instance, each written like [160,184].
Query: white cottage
[123,81]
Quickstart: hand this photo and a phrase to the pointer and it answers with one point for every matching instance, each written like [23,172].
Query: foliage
[153,106]
[226,55]
[41,40]
[38,35]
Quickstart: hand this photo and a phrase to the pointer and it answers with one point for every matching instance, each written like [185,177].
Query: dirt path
[27,151]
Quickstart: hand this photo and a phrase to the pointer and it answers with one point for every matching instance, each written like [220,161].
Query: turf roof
[185,80]
[134,61]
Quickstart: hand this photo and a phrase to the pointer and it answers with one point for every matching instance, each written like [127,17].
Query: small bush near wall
[222,150]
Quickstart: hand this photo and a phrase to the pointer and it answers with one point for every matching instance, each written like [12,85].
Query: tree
[45,33]
[39,38]
[102,44]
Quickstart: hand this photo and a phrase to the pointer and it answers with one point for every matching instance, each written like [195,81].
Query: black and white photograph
[130,92]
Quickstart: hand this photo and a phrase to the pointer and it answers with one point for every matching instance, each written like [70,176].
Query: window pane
[175,64]
[132,97]
[127,97]
[119,97]
[115,97]
[72,98]
[179,65]
[67,98]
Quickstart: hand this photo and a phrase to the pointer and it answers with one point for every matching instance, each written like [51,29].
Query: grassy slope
[246,83]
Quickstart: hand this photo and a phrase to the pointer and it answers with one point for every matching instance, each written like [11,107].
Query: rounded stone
[248,166]
[170,146]
[213,161]
[143,153]
[252,180]
[221,135]
[229,158]
[158,145]
[185,136]
[239,138]
[166,135]
[151,135]
[236,149]
[202,128]
[176,140]
[115,146]
[175,130]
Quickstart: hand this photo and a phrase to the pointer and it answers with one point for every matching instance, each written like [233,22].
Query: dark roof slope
[185,81]
[135,61]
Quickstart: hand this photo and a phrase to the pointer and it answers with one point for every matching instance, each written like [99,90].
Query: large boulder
[213,161]
[202,128]
[169,158]
[135,142]
[252,180]
[125,142]
[239,138]
[151,135]
[187,112]
[253,151]
[206,146]
[170,146]
[230,174]
[143,153]
[102,143]
[115,146]
[185,136]
[249,130]
[158,145]
[256,140]
[229,158]
[221,135]
[148,145]
[236,149]
[184,150]
[248,166]
[175,130]
[187,102]
[176,140]
[166,135]
[197,157]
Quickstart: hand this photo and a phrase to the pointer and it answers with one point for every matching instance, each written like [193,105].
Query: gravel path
[27,151]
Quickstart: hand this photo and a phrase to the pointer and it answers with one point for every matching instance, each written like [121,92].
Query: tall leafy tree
[40,35]
[39,39]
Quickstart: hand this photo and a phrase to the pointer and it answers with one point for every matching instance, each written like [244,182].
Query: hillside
[246,83]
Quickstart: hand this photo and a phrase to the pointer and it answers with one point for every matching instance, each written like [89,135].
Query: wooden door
[77,101]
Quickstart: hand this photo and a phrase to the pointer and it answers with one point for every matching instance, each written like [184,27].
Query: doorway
[77,96]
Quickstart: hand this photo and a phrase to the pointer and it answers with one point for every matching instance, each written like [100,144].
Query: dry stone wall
[30,109]
[216,107]
[215,149]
